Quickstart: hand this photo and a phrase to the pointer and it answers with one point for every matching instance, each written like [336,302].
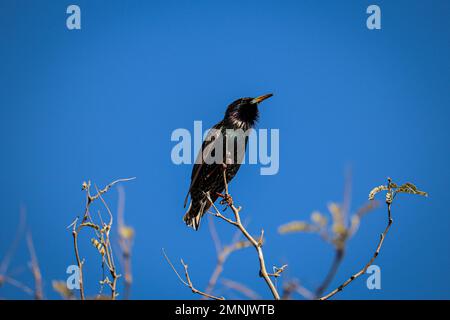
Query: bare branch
[221,259]
[105,189]
[102,234]
[391,191]
[339,255]
[214,235]
[35,270]
[363,270]
[277,271]
[228,200]
[77,257]
[337,235]
[16,283]
[294,286]
[13,247]
[239,287]
[126,236]
[188,281]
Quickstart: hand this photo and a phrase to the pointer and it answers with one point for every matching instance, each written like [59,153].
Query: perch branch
[222,255]
[256,243]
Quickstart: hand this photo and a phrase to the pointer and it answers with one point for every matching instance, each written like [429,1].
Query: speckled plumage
[207,177]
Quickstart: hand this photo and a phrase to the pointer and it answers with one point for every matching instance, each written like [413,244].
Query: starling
[207,178]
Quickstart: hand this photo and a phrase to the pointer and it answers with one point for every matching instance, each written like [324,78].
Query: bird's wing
[208,145]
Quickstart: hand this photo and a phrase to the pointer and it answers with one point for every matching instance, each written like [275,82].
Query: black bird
[226,143]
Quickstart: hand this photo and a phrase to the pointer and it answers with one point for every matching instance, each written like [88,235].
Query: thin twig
[363,270]
[222,253]
[108,249]
[294,286]
[16,283]
[338,235]
[105,189]
[188,281]
[221,258]
[214,235]
[6,277]
[339,255]
[14,244]
[77,257]
[278,271]
[239,287]
[35,270]
[102,234]
[126,235]
[257,244]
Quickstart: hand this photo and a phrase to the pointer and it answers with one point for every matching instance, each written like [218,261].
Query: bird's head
[243,113]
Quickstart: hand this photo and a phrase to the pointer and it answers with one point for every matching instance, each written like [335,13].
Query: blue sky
[100,103]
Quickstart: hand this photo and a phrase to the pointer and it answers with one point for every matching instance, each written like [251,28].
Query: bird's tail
[195,212]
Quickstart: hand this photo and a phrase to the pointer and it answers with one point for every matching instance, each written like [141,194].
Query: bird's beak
[261,98]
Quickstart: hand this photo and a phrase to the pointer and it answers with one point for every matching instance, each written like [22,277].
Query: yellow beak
[261,98]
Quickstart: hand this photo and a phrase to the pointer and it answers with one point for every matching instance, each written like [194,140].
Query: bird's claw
[226,199]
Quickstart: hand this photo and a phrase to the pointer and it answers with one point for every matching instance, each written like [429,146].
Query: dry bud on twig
[101,241]
[392,190]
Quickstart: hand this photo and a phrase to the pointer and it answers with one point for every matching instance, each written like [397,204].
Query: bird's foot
[226,199]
